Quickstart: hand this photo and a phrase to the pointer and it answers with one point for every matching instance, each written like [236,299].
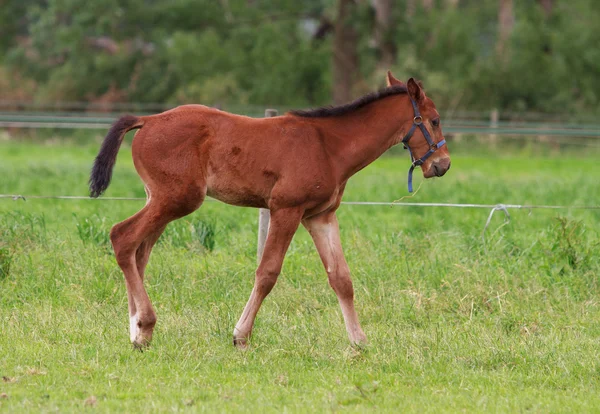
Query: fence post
[493,125]
[264,216]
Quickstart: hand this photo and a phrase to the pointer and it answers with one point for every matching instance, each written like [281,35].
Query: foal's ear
[391,81]
[415,90]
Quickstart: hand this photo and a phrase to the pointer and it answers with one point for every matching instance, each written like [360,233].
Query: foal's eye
[435,122]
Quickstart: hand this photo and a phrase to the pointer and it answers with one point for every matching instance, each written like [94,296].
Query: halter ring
[418,120]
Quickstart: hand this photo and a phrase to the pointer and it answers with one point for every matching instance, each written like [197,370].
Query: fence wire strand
[499,206]
[493,207]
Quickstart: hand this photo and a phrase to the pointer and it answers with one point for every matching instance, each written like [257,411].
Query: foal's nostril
[440,167]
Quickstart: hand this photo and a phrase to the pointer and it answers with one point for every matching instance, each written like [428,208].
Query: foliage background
[266,52]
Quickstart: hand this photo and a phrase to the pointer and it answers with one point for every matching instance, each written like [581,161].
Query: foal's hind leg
[127,237]
[282,227]
[143,252]
[142,255]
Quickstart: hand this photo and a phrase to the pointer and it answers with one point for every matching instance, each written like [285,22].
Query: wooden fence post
[264,216]
[494,125]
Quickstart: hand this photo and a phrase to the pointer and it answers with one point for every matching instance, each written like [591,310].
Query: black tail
[105,160]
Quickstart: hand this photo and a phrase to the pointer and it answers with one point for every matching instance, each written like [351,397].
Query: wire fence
[580,131]
[492,207]
[116,108]
[451,126]
[348,203]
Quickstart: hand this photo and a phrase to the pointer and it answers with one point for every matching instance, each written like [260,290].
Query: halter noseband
[433,147]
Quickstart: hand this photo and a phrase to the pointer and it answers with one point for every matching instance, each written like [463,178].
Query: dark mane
[329,111]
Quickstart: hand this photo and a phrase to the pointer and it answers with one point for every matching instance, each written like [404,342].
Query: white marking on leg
[134,329]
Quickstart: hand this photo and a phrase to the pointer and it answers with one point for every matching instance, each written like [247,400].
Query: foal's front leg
[325,232]
[282,227]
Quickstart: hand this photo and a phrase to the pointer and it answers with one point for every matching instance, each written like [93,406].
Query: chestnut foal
[296,165]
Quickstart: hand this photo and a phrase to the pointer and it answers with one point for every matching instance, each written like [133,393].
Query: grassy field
[454,324]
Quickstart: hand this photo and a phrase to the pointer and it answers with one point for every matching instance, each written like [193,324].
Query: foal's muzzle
[440,167]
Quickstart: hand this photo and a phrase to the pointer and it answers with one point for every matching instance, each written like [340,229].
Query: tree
[383,33]
[344,53]
[506,22]
[547,6]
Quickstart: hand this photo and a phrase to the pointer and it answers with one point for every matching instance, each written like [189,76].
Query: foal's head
[431,154]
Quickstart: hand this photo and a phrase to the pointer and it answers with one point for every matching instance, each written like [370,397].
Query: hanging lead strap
[410,173]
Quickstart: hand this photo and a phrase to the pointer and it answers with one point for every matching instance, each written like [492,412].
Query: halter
[433,147]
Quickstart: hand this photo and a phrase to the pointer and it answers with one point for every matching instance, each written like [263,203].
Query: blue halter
[433,147]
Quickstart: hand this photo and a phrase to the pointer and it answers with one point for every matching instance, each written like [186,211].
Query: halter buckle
[418,120]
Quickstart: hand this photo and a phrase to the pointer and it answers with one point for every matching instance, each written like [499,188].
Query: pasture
[453,324]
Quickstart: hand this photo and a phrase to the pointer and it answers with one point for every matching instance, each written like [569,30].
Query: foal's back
[236,159]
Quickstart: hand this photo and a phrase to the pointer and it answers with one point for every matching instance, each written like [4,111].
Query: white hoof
[240,341]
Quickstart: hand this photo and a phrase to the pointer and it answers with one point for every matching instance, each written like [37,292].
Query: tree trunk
[345,55]
[547,6]
[427,4]
[506,22]
[411,6]
[383,38]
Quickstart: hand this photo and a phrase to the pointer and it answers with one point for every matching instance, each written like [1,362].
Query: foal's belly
[236,195]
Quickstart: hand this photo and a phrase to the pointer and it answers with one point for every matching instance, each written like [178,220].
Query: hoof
[360,346]
[359,340]
[140,335]
[141,345]
[240,343]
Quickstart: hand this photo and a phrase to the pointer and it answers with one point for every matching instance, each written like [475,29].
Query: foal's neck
[356,139]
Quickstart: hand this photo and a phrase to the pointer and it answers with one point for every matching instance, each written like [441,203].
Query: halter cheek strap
[433,147]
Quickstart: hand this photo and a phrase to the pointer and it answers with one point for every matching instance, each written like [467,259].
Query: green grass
[453,324]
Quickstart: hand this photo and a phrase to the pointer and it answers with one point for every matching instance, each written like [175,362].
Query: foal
[296,165]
